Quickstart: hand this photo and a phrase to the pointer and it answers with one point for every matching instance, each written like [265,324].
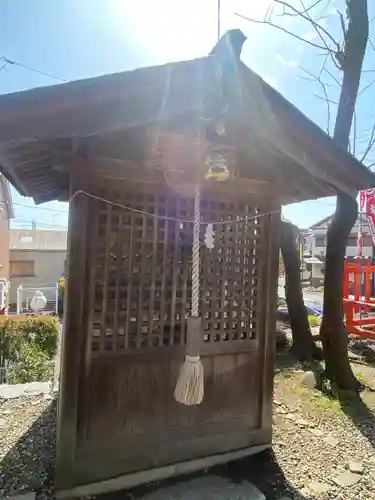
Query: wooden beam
[134,172]
[13,178]
[158,473]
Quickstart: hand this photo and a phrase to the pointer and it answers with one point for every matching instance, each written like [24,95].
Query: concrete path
[308,296]
[12,391]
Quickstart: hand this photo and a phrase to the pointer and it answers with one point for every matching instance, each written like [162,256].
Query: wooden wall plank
[129,279]
[106,263]
[119,273]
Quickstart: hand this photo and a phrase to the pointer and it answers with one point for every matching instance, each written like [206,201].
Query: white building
[37,259]
[315,245]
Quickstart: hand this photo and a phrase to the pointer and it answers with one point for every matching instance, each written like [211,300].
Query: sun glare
[179,29]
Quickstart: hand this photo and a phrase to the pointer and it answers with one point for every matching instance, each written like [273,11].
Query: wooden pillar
[269,298]
[73,333]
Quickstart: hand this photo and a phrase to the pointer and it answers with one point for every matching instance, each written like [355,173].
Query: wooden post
[71,339]
[268,297]
[357,283]
[366,268]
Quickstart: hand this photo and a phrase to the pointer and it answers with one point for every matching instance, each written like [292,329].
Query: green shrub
[314,320]
[31,365]
[41,331]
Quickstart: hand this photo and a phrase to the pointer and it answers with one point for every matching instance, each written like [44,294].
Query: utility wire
[3,66]
[46,209]
[30,68]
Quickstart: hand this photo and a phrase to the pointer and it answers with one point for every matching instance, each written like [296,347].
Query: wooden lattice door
[142,284]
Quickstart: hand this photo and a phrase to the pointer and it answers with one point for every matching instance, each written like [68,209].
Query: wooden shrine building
[128,150]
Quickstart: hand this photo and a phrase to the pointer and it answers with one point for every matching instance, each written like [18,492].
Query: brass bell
[217,168]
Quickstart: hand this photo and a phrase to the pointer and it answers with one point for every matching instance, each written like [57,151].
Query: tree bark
[333,333]
[303,346]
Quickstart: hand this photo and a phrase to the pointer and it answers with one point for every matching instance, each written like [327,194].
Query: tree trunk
[333,333]
[303,345]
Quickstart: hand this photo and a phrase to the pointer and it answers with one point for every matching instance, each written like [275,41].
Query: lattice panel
[142,284]
[230,273]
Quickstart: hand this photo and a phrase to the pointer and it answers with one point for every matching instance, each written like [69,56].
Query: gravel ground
[316,443]
[27,442]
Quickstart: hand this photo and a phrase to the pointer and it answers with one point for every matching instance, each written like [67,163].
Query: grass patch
[318,399]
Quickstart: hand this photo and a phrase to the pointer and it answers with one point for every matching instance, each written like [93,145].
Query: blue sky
[76,39]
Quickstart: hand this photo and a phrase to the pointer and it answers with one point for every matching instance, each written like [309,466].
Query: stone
[317,432]
[290,416]
[3,423]
[356,467]
[302,422]
[305,493]
[331,440]
[277,420]
[281,411]
[308,380]
[346,479]
[318,487]
[283,424]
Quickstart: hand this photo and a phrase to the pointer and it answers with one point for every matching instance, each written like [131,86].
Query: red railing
[359,302]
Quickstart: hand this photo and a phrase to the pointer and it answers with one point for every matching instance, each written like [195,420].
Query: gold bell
[217,168]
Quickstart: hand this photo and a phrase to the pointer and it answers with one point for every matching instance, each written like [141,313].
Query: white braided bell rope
[195,254]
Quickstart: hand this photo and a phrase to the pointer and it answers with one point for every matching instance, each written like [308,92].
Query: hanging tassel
[190,383]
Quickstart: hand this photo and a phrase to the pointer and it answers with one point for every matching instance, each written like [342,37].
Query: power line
[41,208]
[25,224]
[30,68]
[24,219]
[315,202]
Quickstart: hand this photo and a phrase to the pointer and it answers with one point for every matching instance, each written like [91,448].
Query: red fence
[359,300]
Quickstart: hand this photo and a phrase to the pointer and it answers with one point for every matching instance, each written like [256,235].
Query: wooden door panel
[126,396]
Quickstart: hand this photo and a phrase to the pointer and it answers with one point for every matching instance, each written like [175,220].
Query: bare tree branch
[323,65]
[337,55]
[304,11]
[318,80]
[324,99]
[307,17]
[366,88]
[370,144]
[270,23]
[332,76]
[342,22]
